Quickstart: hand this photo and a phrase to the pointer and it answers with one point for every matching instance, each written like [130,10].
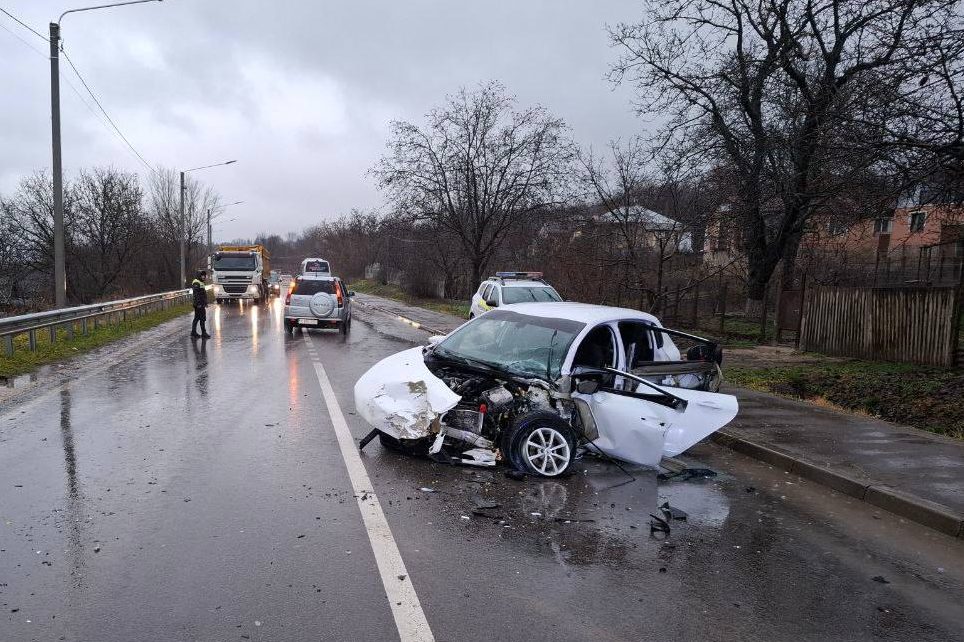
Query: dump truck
[241,272]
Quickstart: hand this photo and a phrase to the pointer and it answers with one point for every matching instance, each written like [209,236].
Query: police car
[506,288]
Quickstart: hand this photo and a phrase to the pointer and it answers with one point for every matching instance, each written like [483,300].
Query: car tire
[471,315]
[540,443]
[416,449]
[289,328]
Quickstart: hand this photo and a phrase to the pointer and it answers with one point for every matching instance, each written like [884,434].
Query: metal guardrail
[81,318]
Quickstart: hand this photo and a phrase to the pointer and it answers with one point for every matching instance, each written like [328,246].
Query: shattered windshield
[528,295]
[520,344]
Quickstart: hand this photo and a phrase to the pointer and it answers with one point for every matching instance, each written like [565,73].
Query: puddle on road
[595,516]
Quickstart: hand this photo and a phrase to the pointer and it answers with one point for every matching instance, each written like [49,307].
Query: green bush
[929,398]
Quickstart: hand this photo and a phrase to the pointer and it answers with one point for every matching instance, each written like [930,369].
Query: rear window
[311,286]
[317,266]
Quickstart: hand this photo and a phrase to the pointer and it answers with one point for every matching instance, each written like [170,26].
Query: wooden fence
[916,325]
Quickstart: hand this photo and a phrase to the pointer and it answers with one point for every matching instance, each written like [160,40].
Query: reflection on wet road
[197,491]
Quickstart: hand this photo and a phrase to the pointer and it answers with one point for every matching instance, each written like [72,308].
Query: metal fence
[915,325]
[82,319]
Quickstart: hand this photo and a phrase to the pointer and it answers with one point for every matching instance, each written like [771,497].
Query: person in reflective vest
[200,305]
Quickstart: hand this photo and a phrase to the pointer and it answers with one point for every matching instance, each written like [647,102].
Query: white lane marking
[406,609]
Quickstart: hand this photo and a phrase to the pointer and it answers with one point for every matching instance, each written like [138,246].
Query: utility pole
[60,271]
[183,280]
[183,233]
[210,247]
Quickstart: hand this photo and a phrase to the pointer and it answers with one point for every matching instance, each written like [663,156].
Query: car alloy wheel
[547,451]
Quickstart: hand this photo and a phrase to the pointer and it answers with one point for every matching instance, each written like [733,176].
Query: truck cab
[240,272]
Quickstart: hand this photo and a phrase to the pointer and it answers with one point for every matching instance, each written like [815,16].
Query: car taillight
[338,294]
[288,298]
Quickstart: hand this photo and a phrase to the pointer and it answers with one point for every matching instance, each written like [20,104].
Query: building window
[917,221]
[837,228]
[883,225]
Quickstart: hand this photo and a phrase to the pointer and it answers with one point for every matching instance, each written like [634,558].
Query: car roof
[515,283]
[582,312]
[317,276]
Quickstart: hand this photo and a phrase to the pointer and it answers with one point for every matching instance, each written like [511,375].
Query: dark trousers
[200,314]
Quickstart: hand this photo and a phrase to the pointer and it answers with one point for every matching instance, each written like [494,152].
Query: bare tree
[477,169]
[30,215]
[108,228]
[164,210]
[645,213]
[784,93]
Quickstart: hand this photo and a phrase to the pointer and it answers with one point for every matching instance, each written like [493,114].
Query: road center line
[406,609]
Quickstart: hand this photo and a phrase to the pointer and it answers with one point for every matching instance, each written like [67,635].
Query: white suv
[507,288]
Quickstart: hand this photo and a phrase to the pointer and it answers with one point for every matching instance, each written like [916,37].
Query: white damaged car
[530,383]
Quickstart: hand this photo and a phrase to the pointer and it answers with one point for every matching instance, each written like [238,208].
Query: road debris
[658,525]
[671,512]
[687,474]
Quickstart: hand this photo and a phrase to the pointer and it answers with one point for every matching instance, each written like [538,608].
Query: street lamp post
[60,268]
[210,218]
[183,281]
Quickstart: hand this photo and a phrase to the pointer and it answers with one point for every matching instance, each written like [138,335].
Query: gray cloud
[299,91]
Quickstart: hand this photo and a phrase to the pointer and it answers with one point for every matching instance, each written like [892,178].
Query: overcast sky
[300,92]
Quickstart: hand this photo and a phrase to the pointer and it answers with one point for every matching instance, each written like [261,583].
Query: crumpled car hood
[401,397]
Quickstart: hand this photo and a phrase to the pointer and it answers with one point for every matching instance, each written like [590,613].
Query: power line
[17,36]
[72,86]
[25,25]
[104,111]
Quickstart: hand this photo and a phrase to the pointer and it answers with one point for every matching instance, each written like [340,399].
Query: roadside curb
[925,512]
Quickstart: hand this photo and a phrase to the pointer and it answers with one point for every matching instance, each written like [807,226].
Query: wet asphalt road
[197,492]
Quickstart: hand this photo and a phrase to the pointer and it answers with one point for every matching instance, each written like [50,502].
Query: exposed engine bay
[480,428]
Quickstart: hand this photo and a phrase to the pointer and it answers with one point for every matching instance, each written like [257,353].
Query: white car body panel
[401,397]
[641,432]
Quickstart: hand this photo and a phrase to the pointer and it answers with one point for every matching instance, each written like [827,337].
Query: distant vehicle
[507,288]
[318,301]
[241,272]
[315,266]
[274,282]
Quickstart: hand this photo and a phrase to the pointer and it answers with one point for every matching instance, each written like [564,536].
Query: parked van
[315,267]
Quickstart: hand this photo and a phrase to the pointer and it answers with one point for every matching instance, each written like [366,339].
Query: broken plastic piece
[672,512]
[687,474]
[658,525]
[367,439]
[479,457]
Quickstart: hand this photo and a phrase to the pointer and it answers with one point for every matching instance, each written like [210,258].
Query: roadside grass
[929,398]
[24,361]
[445,306]
[737,332]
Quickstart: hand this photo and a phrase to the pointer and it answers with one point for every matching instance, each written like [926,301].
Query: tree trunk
[755,294]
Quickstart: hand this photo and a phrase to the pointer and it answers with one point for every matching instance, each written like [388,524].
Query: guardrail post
[8,345]
[32,336]
[70,330]
[53,334]
[83,326]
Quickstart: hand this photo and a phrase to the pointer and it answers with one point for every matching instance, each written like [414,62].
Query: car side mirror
[587,386]
[435,339]
[351,293]
[492,303]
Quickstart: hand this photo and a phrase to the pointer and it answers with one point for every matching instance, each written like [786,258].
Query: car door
[644,425]
[478,298]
